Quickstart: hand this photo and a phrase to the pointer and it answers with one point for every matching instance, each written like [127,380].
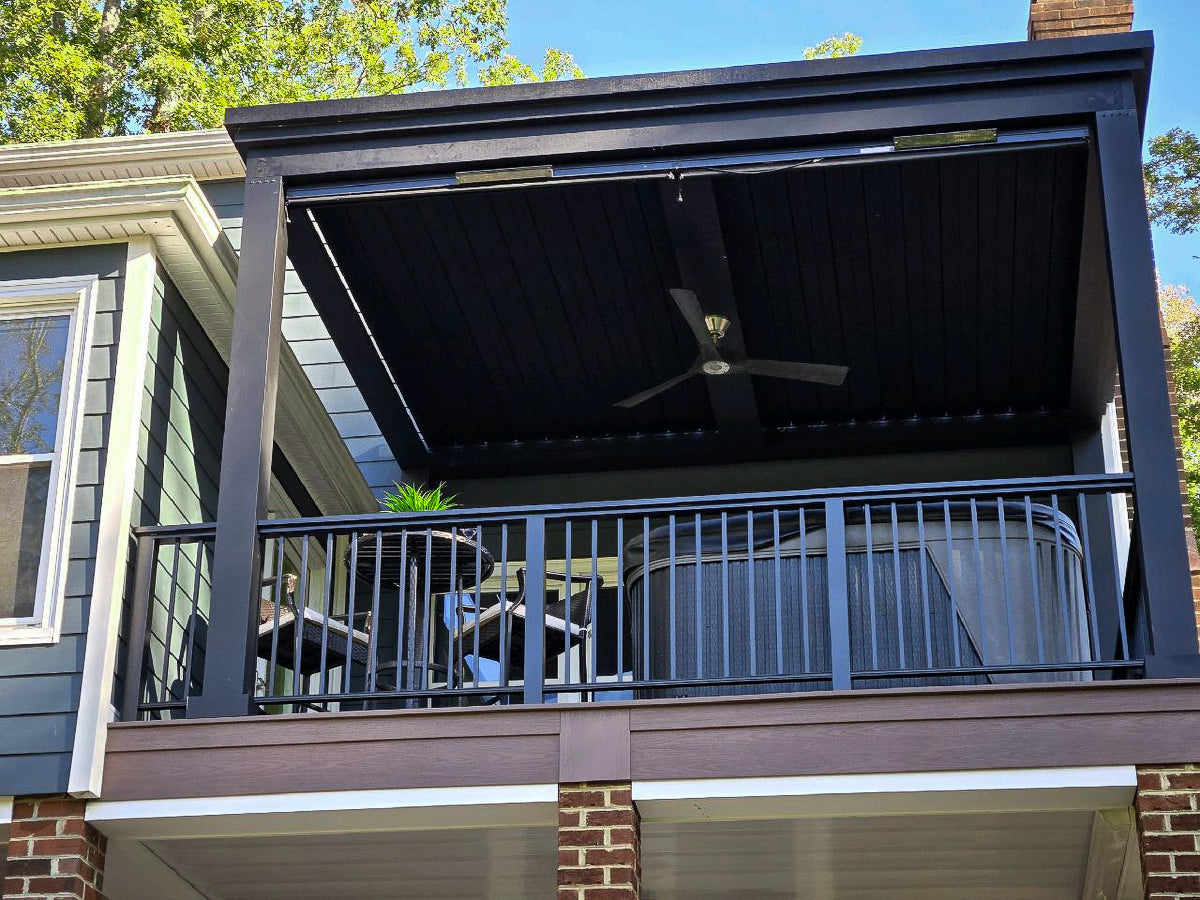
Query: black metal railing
[934,584]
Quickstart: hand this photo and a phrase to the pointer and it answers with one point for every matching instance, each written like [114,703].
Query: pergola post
[1161,541]
[246,449]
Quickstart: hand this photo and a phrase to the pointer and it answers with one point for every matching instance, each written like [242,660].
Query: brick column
[53,854]
[599,842]
[1168,816]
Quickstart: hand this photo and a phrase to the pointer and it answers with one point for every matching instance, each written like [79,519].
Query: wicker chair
[277,633]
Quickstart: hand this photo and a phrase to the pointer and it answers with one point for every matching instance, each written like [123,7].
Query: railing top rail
[872,493]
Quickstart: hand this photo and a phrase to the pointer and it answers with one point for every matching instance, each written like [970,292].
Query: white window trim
[74,296]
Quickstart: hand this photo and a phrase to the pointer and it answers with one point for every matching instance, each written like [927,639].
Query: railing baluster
[871,585]
[348,665]
[372,639]
[1089,598]
[278,592]
[804,637]
[478,604]
[327,611]
[505,650]
[189,642]
[429,628]
[899,587]
[1033,577]
[954,620]
[725,592]
[778,594]
[405,617]
[923,564]
[645,597]
[535,608]
[590,634]
[983,649]
[171,595]
[839,593]
[1120,598]
[1060,561]
[1008,610]
[454,627]
[751,605]
[566,679]
[699,596]
[137,651]
[671,592]
[620,598]
[299,604]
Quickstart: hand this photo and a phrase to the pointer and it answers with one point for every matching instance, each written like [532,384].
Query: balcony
[967,249]
[978,583]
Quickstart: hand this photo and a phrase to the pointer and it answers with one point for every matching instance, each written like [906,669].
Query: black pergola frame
[1098,83]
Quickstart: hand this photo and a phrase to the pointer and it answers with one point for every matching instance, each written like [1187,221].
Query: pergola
[966,228]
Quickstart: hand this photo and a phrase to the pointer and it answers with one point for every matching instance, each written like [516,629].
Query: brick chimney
[1071,18]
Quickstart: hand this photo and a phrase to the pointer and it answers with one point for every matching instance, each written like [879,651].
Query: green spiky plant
[414,498]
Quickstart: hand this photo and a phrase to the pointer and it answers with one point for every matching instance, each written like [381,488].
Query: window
[45,328]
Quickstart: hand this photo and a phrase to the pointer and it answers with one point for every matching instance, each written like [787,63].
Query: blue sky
[620,37]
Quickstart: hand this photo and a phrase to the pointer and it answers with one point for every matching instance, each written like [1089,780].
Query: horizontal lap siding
[39,685]
[179,462]
[315,350]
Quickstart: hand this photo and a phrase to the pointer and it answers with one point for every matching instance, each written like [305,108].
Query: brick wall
[53,852]
[1168,814]
[598,842]
[1070,18]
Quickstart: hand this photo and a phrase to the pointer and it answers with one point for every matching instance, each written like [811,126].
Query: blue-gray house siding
[39,685]
[316,352]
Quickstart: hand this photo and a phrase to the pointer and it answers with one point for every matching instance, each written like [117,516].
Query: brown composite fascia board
[855,732]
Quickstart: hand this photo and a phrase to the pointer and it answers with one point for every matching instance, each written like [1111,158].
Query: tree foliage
[1181,316]
[835,46]
[92,68]
[1173,181]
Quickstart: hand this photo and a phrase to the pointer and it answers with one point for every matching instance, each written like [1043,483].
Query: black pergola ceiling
[521,315]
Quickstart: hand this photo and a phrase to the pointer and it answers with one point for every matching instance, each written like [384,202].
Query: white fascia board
[115,520]
[204,155]
[203,265]
[328,812]
[902,793]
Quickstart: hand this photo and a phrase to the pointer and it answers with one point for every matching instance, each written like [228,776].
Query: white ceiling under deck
[1040,855]
[993,856]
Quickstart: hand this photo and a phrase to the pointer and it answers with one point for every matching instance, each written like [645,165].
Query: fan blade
[796,371]
[694,315]
[631,402]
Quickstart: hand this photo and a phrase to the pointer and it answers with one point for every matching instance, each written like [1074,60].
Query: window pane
[23,492]
[32,352]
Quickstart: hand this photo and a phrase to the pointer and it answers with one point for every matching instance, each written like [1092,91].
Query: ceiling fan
[709,332]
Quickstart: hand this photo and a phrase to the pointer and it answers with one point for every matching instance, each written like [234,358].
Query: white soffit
[204,155]
[991,790]
[203,265]
[328,812]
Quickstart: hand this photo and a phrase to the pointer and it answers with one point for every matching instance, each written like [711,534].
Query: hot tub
[731,618]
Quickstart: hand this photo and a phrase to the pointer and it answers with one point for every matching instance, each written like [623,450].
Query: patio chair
[514,608]
[340,640]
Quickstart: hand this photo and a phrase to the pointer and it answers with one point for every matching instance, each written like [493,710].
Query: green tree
[835,46]
[91,68]
[1181,316]
[1173,181]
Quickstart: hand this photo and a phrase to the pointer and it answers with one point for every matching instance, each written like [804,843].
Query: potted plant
[409,498]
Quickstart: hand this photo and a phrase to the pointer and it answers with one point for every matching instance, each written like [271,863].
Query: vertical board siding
[39,685]
[315,350]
